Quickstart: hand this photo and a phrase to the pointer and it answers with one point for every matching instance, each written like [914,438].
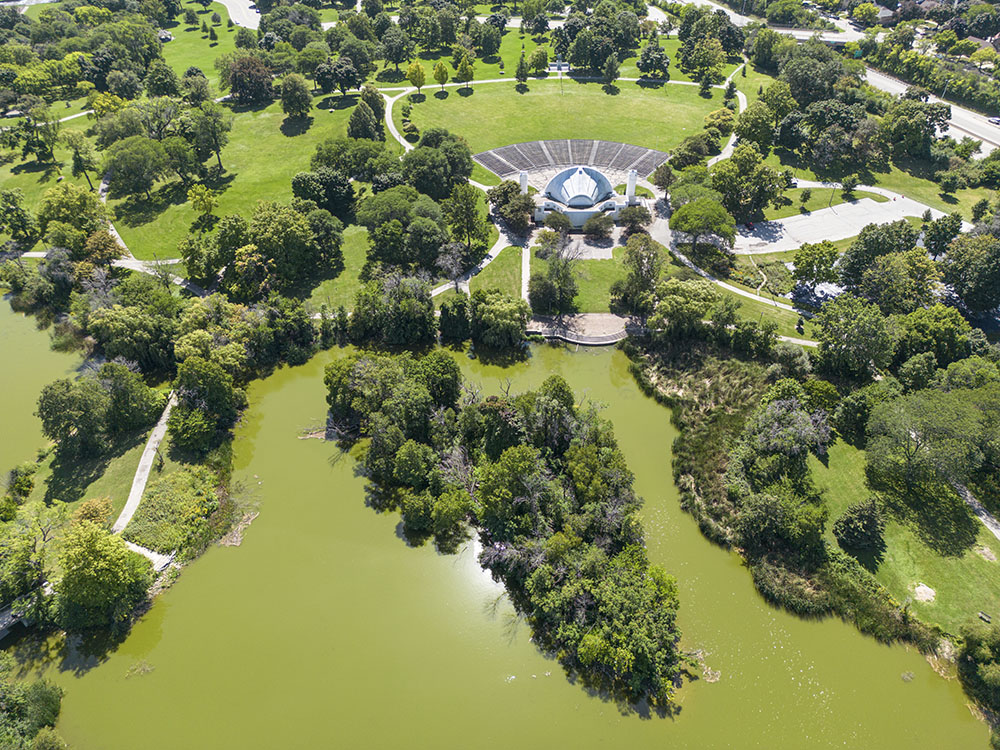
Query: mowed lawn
[964,582]
[495,114]
[265,151]
[190,47]
[503,273]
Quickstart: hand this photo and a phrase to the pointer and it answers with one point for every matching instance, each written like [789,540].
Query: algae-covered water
[28,364]
[324,629]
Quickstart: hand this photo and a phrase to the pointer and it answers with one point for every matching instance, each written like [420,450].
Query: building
[579,193]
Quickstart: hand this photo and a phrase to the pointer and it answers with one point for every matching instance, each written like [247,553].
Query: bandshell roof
[579,187]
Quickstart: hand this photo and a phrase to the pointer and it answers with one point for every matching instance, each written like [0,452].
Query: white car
[994,121]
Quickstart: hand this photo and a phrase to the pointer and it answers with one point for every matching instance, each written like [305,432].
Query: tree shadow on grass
[295,126]
[390,76]
[938,516]
[72,475]
[647,83]
[337,102]
[610,89]
[466,91]
[442,95]
[521,88]
[417,98]
[137,210]
[47,172]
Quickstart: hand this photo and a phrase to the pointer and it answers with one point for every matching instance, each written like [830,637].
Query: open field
[265,151]
[963,579]
[659,117]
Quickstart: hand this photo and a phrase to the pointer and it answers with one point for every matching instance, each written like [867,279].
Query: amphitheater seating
[507,161]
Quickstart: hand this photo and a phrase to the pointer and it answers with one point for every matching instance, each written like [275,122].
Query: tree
[415,75]
[103,580]
[900,282]
[161,80]
[704,216]
[643,264]
[521,72]
[454,320]
[635,218]
[854,337]
[747,184]
[328,188]
[208,404]
[441,74]
[461,211]
[865,14]
[68,205]
[681,306]
[202,199]
[131,403]
[496,320]
[363,124]
[778,97]
[756,125]
[875,240]
[345,75]
[706,59]
[653,60]
[663,176]
[396,45]
[73,415]
[611,69]
[465,73]
[15,219]
[210,126]
[938,329]
[489,40]
[922,437]
[539,60]
[248,78]
[84,159]
[940,232]
[815,263]
[135,164]
[972,268]
[296,100]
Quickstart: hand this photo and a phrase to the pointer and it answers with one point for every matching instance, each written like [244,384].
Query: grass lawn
[483,176]
[634,114]
[503,273]
[963,580]
[265,151]
[447,294]
[190,47]
[343,289]
[751,83]
[819,198]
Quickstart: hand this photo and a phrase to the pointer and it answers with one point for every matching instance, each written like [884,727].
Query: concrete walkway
[988,519]
[139,481]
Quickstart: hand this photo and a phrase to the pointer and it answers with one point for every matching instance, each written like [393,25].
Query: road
[964,122]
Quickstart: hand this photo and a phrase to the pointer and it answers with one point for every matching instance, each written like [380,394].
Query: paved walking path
[987,518]
[139,481]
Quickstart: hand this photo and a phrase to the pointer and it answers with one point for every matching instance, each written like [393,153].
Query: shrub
[861,526]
